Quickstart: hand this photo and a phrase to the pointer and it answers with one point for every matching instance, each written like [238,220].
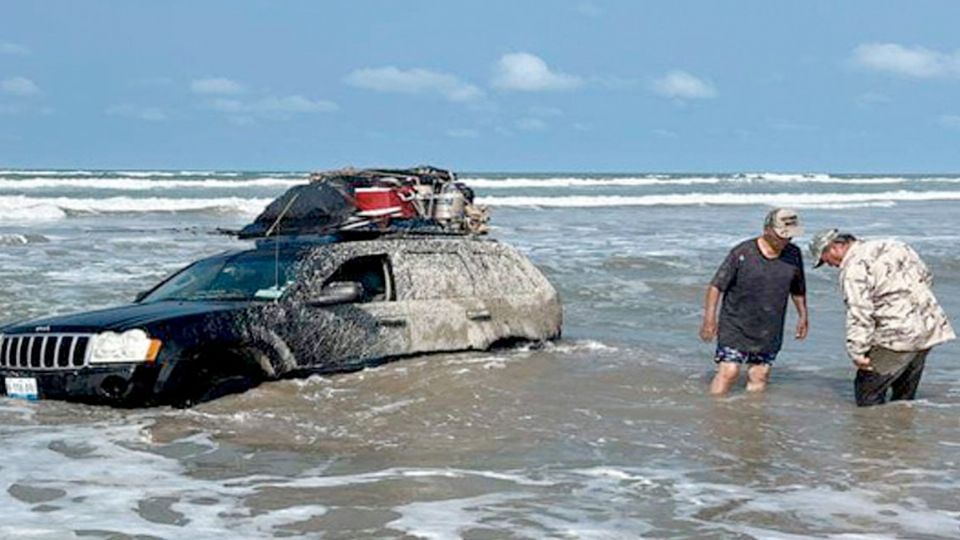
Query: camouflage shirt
[887,290]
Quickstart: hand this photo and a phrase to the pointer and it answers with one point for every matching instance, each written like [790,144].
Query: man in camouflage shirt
[893,319]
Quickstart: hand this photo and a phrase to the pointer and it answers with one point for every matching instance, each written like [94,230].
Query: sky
[855,86]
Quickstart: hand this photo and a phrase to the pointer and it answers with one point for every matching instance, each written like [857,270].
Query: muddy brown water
[607,433]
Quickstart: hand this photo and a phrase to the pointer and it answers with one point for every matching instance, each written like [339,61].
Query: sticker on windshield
[270,293]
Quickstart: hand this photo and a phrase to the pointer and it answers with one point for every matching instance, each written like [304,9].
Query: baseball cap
[821,241]
[784,222]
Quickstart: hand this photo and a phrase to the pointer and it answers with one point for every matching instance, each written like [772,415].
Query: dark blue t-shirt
[755,294]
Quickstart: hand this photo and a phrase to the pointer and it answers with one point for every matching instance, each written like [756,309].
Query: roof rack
[424,199]
[421,174]
[288,240]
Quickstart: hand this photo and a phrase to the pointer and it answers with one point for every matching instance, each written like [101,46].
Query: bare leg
[757,377]
[727,374]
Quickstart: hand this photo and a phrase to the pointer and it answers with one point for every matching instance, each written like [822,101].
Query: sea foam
[751,179]
[16,209]
[134,183]
[20,208]
[722,199]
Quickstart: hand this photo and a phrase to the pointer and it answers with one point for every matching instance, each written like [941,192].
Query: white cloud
[463,133]
[19,86]
[869,99]
[545,112]
[613,82]
[148,114]
[216,85]
[270,107]
[681,85]
[228,105]
[224,96]
[13,49]
[414,82]
[589,9]
[914,62]
[796,127]
[293,105]
[530,124]
[23,108]
[951,121]
[527,72]
[152,81]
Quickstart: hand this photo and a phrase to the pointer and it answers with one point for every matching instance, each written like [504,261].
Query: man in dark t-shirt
[755,281]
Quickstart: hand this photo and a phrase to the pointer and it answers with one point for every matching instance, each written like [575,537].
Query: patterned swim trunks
[729,354]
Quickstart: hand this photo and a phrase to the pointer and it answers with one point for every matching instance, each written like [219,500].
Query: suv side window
[435,275]
[370,271]
[498,274]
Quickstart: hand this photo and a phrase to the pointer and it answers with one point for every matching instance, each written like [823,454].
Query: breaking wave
[22,239]
[505,183]
[21,208]
[160,180]
[831,200]
[132,183]
[90,173]
[32,209]
[668,180]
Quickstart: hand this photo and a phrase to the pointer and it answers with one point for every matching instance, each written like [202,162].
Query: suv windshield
[251,275]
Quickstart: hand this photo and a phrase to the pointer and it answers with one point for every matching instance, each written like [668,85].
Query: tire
[233,371]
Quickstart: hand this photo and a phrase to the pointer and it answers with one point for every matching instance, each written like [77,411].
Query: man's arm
[926,277]
[708,330]
[721,281]
[860,326]
[803,323]
[798,293]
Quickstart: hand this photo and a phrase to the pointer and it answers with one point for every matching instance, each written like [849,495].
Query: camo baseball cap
[821,241]
[784,222]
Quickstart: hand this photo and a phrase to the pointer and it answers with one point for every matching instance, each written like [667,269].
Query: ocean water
[607,433]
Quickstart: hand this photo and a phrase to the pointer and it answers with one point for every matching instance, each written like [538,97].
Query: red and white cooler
[384,202]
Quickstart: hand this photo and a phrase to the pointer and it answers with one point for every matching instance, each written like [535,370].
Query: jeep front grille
[44,351]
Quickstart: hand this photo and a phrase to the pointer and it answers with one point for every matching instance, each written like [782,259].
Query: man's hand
[863,363]
[708,330]
[802,328]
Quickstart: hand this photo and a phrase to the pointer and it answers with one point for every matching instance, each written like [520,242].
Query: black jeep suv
[281,309]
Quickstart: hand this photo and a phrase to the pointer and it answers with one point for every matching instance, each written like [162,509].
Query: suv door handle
[479,314]
[392,321]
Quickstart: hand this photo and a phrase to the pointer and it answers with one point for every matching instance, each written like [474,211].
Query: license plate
[21,387]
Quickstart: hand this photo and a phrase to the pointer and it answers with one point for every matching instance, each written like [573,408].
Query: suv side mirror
[337,292]
[140,296]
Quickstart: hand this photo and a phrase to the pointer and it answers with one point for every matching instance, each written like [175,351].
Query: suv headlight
[130,346]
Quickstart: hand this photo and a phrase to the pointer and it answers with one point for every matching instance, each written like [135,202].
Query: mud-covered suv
[283,309]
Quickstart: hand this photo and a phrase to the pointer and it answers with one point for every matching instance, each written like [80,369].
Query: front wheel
[213,374]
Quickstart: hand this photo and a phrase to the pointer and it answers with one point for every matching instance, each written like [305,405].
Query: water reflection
[745,438]
[879,439]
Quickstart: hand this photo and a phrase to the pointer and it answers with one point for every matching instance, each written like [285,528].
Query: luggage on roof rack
[423,199]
